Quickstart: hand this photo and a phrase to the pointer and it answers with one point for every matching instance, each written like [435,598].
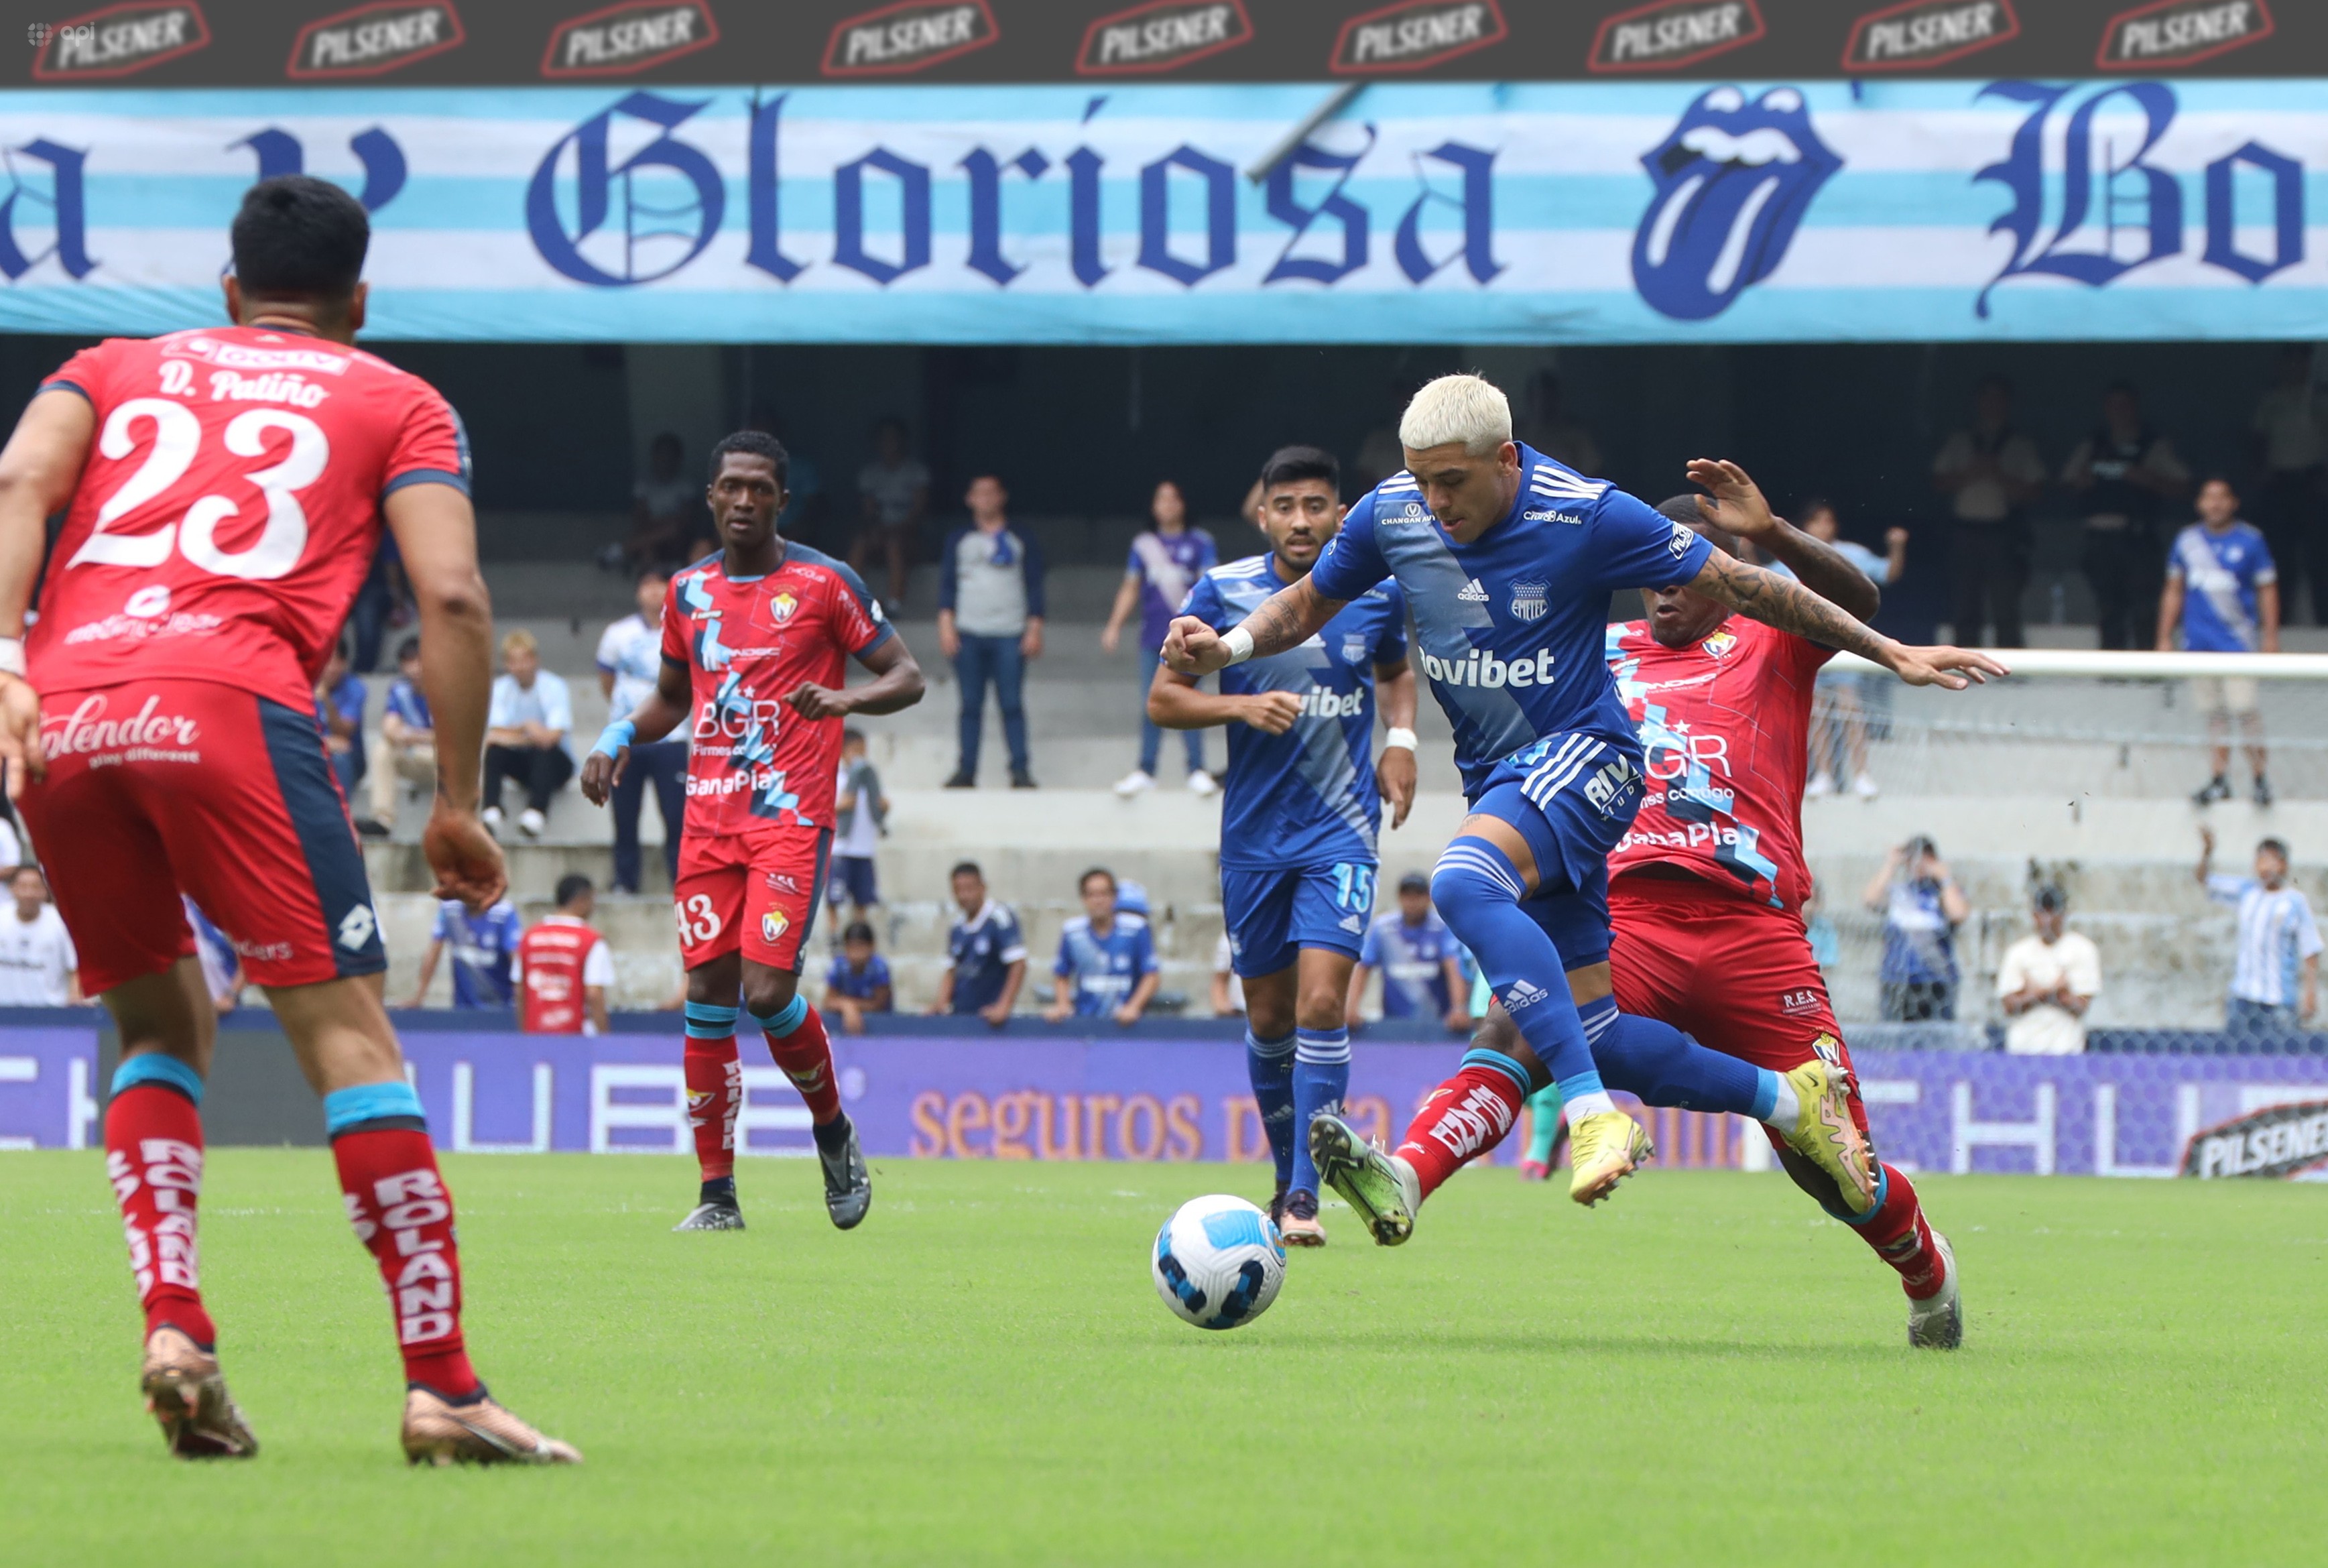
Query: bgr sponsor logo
[1416,34]
[119,40]
[371,40]
[1671,34]
[623,39]
[1927,33]
[911,35]
[1162,36]
[2180,33]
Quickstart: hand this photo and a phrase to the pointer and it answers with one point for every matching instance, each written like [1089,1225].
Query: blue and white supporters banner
[1599,213]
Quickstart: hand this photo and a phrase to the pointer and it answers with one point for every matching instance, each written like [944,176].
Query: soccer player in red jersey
[1710,878]
[224,492]
[755,646]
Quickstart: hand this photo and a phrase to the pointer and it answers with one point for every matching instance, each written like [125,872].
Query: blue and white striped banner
[1602,212]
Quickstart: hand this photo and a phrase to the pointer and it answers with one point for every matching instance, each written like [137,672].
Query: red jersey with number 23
[1724,722]
[230,506]
[748,644]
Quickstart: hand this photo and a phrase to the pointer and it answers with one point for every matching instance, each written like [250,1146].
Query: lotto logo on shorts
[423,1294]
[773,926]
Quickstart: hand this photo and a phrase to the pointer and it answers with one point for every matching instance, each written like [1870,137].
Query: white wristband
[1398,739]
[1239,642]
[12,656]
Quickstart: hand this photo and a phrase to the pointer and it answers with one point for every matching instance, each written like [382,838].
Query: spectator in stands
[2276,976]
[1420,962]
[1922,906]
[893,495]
[1164,563]
[406,745]
[1838,713]
[808,510]
[1990,472]
[222,977]
[1106,967]
[2222,592]
[38,965]
[2047,981]
[986,957]
[630,661]
[858,980]
[563,969]
[2291,448]
[1380,453]
[340,698]
[1818,930]
[484,947]
[526,731]
[2124,473]
[861,813]
[1228,991]
[990,624]
[1544,425]
[667,508]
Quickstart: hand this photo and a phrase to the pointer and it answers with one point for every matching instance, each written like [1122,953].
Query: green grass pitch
[1706,1370]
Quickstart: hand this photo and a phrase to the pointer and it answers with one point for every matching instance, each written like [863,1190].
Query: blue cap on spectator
[1131,898]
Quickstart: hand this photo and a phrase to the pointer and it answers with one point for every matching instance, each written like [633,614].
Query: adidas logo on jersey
[1352,924]
[1473,592]
[1520,995]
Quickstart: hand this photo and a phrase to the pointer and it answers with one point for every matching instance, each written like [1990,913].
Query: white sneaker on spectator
[530,822]
[1865,787]
[1817,784]
[492,817]
[1201,783]
[1135,782]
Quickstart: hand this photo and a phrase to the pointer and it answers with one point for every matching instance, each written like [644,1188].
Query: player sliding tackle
[1300,812]
[226,488]
[755,645]
[1507,560]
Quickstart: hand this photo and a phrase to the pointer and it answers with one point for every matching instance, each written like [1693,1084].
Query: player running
[226,489]
[1508,559]
[1710,878]
[755,645]
[1300,811]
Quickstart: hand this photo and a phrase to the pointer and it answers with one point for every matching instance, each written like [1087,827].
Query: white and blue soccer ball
[1218,1261]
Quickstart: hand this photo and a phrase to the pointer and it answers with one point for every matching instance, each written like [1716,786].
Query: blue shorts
[851,882]
[1571,797]
[1272,915]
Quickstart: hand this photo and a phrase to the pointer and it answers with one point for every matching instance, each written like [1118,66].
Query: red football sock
[1465,1117]
[1901,1237]
[402,1210]
[715,1093]
[154,1157]
[806,1056]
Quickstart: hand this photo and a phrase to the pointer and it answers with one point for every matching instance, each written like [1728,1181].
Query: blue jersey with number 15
[1307,797]
[1512,627]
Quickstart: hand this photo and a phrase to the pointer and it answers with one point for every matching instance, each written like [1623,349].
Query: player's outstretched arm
[435,532]
[1734,503]
[1286,619]
[38,469]
[1777,601]
[896,684]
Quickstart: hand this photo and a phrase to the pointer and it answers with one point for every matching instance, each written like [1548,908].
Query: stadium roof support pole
[1282,148]
[2141,666]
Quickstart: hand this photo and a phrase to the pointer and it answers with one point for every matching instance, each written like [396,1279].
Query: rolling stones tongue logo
[1733,180]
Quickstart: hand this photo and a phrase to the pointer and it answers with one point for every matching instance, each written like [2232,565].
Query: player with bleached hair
[1508,559]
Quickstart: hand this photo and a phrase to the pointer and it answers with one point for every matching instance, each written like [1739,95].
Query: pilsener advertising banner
[1607,211]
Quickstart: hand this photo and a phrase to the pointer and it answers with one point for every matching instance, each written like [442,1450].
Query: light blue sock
[710,1021]
[1478,891]
[1322,1080]
[1270,1065]
[348,1110]
[154,1068]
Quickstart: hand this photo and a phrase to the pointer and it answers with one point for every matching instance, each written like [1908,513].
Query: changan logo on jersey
[2180,33]
[1162,36]
[119,40]
[1416,34]
[1673,33]
[373,40]
[621,40]
[912,36]
[1927,33]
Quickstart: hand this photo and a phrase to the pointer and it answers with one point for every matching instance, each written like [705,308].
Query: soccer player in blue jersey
[1508,559]
[1107,966]
[1302,808]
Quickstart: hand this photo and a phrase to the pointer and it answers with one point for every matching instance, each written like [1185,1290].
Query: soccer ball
[1218,1261]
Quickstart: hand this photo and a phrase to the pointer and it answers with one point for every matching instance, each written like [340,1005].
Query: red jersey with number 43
[1724,723]
[748,644]
[230,507]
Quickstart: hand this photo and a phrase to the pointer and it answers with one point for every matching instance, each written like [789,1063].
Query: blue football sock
[1661,1065]
[1321,1077]
[1269,1064]
[1478,891]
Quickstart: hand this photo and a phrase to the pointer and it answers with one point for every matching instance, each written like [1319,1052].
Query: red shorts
[757,890]
[162,788]
[1737,976]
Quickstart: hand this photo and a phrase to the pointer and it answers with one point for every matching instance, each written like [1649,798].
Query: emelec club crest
[1530,601]
[782,607]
